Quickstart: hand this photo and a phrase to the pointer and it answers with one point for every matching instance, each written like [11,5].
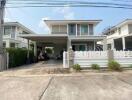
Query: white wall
[20,41]
[123,32]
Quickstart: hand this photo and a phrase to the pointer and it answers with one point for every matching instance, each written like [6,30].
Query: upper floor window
[84,29]
[55,28]
[91,29]
[78,29]
[119,30]
[9,30]
[59,29]
[72,29]
[130,28]
[63,29]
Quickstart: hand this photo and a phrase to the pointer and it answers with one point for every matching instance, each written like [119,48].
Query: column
[7,44]
[28,60]
[123,43]
[112,45]
[94,45]
[104,44]
[69,44]
[35,49]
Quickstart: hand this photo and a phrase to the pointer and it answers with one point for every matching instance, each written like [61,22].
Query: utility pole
[2,8]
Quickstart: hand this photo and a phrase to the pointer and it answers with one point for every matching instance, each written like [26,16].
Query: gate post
[71,57]
[110,55]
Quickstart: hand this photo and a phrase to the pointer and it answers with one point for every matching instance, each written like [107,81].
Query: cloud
[66,12]
[43,25]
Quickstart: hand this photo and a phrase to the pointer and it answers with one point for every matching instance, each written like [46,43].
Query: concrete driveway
[78,86]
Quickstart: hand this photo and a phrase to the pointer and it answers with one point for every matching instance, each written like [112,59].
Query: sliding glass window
[72,29]
[91,29]
[84,29]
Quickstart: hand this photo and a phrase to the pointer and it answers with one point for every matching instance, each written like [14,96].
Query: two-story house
[119,37]
[11,38]
[78,34]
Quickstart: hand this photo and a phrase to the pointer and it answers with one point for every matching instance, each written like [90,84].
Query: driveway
[77,86]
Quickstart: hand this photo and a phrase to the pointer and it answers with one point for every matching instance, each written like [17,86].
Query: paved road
[67,87]
[22,88]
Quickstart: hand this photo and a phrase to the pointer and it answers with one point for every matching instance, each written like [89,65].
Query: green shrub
[18,56]
[113,65]
[95,66]
[76,67]
[130,66]
[49,50]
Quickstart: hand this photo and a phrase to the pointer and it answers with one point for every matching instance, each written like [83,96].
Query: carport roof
[46,37]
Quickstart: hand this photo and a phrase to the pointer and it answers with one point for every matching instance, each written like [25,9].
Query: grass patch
[114,65]
[95,66]
[76,67]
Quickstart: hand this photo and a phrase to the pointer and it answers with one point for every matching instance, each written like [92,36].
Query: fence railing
[123,57]
[87,58]
[122,54]
[90,55]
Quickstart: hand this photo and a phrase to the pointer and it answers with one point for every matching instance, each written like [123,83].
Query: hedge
[18,56]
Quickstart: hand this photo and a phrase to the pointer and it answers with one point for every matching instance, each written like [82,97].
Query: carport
[57,41]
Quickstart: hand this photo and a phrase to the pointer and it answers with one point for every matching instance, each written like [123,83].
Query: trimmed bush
[113,65]
[130,66]
[95,66]
[76,67]
[18,56]
[49,50]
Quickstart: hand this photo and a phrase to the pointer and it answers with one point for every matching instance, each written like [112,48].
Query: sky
[33,17]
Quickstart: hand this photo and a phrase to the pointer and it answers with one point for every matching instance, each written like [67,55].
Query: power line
[69,6]
[58,3]
[99,3]
[64,3]
[128,1]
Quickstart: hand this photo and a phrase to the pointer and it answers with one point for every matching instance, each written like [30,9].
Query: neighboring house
[78,34]
[11,38]
[119,37]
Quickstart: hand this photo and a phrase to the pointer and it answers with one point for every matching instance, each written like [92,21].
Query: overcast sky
[32,17]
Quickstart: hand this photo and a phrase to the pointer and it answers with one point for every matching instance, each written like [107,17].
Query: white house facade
[63,34]
[11,38]
[119,37]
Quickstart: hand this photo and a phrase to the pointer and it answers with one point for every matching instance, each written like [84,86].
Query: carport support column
[28,60]
[35,49]
[69,44]
[123,43]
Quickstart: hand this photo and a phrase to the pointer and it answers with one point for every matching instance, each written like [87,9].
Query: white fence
[87,58]
[123,57]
